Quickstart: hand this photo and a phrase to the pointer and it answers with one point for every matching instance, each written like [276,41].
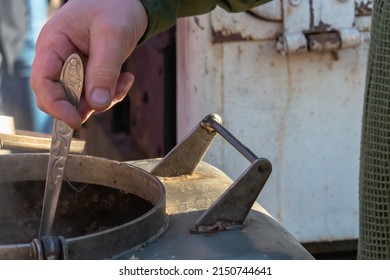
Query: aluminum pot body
[165,230]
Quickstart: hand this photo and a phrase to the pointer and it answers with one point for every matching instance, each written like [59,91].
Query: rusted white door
[288,80]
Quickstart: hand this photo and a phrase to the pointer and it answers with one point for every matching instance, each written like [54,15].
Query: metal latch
[318,26]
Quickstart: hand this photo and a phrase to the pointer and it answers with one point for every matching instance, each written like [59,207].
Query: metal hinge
[319,41]
[318,25]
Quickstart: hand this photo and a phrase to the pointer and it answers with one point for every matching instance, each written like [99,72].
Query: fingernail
[100,96]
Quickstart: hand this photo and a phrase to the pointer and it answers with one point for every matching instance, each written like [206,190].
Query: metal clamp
[50,248]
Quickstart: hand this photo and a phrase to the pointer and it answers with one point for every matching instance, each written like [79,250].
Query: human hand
[105,33]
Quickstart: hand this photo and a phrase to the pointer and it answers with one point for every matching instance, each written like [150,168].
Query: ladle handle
[71,78]
[245,151]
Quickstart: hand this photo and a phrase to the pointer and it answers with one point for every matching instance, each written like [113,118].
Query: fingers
[125,82]
[102,73]
[105,35]
[111,42]
[50,96]
[124,85]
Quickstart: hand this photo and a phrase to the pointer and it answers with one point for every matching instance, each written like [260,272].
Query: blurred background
[288,80]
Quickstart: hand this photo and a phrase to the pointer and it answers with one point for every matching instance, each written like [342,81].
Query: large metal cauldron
[178,207]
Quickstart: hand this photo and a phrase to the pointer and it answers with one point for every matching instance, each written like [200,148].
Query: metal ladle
[72,76]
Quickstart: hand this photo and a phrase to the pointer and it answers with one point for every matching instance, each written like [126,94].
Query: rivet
[295,2]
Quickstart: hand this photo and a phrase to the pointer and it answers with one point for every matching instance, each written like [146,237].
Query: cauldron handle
[185,156]
[232,207]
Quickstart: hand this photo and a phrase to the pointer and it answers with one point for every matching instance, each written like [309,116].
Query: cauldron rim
[131,233]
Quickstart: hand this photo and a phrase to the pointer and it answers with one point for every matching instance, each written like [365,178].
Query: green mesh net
[374,195]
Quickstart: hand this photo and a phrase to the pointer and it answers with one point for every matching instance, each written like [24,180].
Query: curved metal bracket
[185,157]
[232,207]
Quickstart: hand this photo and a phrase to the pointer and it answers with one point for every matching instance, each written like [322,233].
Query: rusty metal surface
[151,113]
[242,26]
[232,207]
[185,157]
[364,7]
[286,21]
[323,42]
[295,107]
[188,197]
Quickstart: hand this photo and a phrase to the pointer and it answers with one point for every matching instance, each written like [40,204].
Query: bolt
[263,166]
[295,2]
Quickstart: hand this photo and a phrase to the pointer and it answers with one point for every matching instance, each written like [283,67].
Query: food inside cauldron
[82,209]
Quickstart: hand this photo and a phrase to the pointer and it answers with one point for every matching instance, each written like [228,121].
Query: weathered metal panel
[245,26]
[302,112]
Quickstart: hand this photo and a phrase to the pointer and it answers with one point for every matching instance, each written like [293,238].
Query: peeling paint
[321,27]
[321,42]
[363,8]
[224,35]
[196,19]
[311,14]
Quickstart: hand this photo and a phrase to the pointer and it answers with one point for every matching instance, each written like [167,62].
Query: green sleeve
[162,14]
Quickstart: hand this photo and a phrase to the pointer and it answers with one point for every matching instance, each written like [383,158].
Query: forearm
[162,14]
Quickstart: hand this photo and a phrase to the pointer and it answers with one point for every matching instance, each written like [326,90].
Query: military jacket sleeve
[162,14]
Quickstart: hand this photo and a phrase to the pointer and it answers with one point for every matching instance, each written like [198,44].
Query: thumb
[102,73]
